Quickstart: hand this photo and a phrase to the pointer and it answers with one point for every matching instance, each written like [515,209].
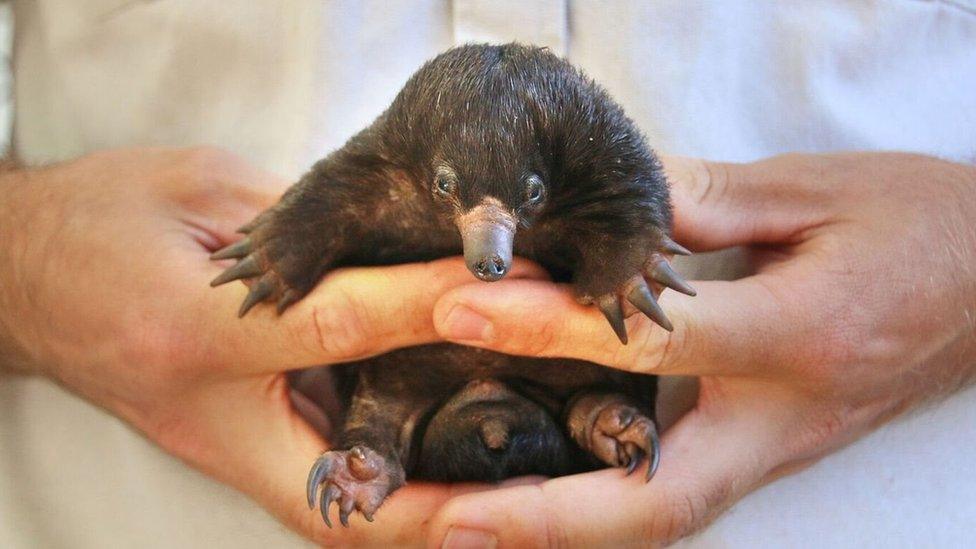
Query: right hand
[104,288]
[862,307]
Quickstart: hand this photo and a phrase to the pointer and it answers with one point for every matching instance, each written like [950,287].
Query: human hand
[104,288]
[862,307]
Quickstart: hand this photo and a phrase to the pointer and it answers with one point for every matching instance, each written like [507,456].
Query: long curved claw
[673,247]
[653,454]
[346,506]
[259,292]
[245,268]
[320,469]
[236,250]
[633,462]
[660,270]
[330,494]
[610,306]
[642,298]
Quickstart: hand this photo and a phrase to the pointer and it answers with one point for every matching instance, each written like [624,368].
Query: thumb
[720,204]
[714,333]
[709,461]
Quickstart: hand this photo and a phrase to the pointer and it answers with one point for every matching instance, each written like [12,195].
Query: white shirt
[283,83]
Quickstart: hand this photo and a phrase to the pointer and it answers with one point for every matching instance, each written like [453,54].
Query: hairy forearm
[14,226]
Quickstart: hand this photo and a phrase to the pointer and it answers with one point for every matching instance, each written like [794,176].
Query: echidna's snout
[487,231]
[488,250]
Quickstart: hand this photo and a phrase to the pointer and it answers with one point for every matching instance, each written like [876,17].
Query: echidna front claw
[639,289]
[659,269]
[632,464]
[258,293]
[346,506]
[330,494]
[643,298]
[264,263]
[610,306]
[237,250]
[245,268]
[287,299]
[653,450]
[672,247]
[318,473]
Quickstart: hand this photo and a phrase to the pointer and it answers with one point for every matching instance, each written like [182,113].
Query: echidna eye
[445,186]
[535,189]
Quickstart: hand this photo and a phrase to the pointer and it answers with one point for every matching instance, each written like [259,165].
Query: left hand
[863,306]
[104,273]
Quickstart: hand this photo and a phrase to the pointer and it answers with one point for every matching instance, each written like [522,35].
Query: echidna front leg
[614,272]
[276,259]
[289,247]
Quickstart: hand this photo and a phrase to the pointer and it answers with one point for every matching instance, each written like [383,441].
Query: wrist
[14,354]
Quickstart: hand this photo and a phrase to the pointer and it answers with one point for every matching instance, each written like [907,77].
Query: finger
[709,461]
[265,450]
[352,314]
[718,204]
[731,328]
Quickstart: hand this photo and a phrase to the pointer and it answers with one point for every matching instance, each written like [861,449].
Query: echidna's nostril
[498,266]
[490,268]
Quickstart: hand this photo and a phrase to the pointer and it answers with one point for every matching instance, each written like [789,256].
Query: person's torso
[283,83]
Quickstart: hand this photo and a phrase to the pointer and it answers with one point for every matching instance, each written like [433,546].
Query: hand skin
[104,289]
[863,306]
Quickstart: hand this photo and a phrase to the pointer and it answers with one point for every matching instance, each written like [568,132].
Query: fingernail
[459,537]
[462,323]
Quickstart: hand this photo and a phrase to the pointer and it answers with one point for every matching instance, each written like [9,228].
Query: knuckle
[709,182]
[339,328]
[848,356]
[657,349]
